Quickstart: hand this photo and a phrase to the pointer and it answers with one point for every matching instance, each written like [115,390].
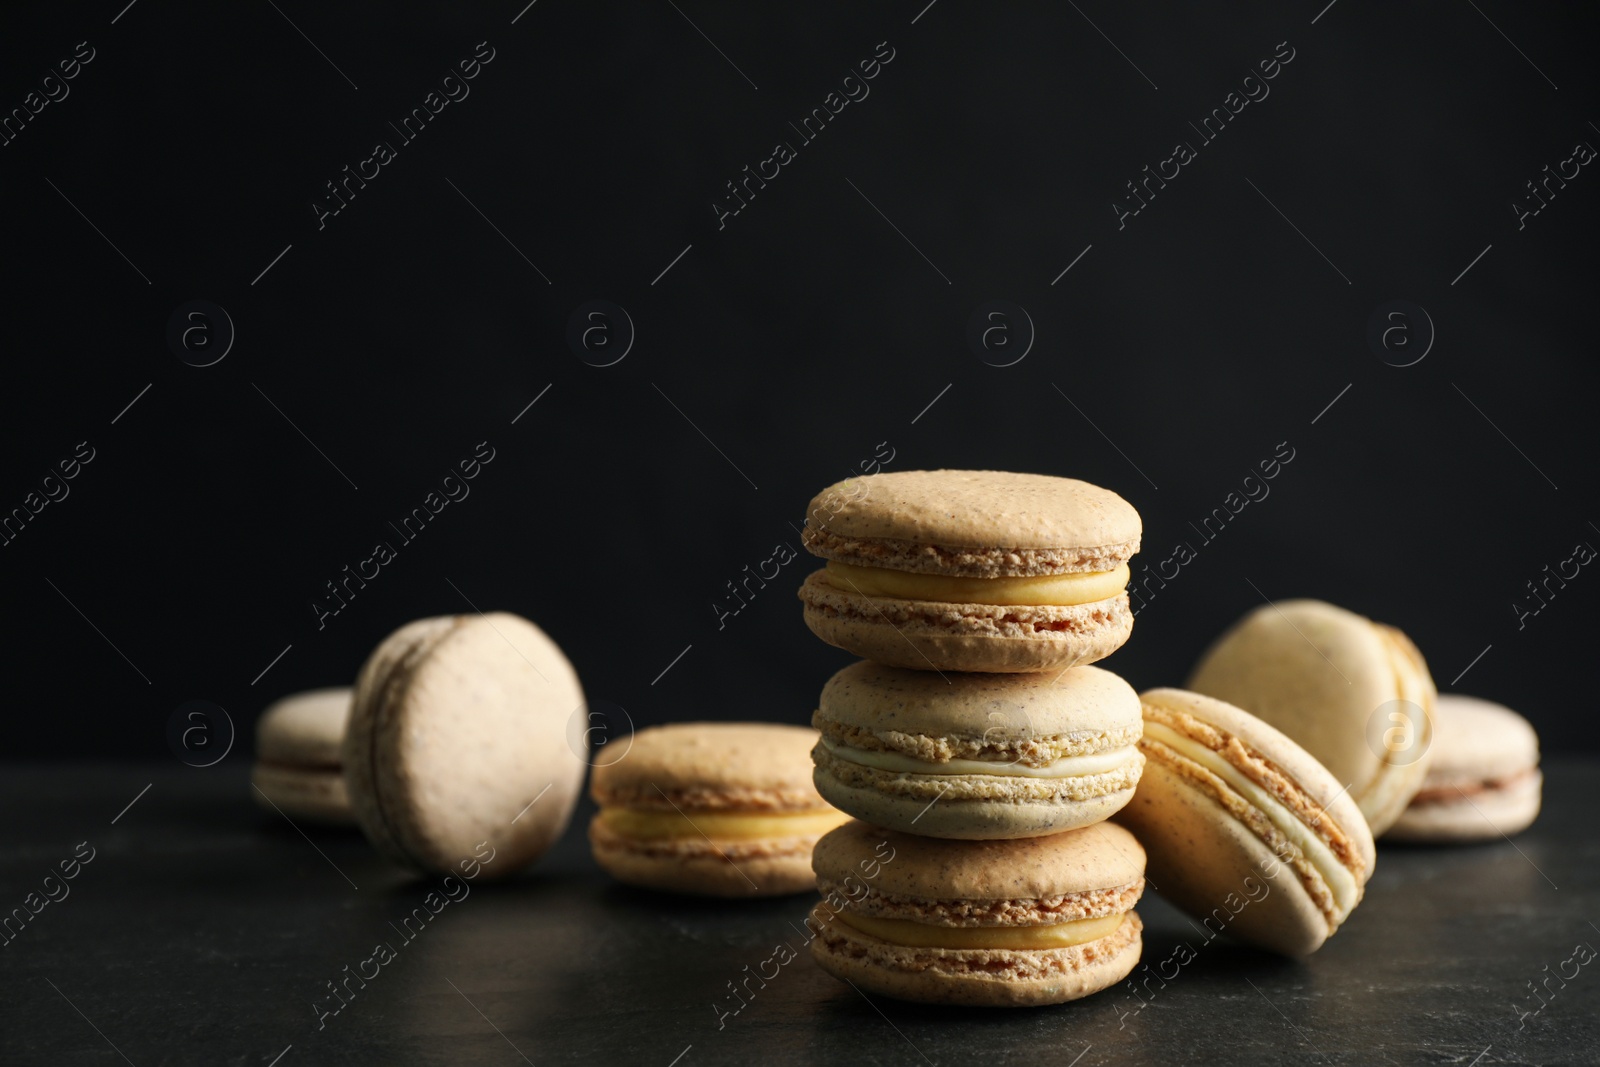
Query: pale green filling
[1066,767]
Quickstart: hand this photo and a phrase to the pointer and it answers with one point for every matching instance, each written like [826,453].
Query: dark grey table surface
[204,931]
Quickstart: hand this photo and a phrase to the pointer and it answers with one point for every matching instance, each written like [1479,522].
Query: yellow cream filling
[1066,767]
[1080,587]
[720,825]
[922,935]
[1340,881]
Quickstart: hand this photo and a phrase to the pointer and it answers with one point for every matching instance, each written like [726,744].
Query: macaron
[970,570]
[1245,830]
[723,809]
[298,769]
[1354,693]
[1016,923]
[458,755]
[977,756]
[1484,781]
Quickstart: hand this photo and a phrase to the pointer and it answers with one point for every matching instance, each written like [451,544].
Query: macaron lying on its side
[458,746]
[971,570]
[1484,781]
[1245,831]
[1354,693]
[986,923]
[298,766]
[977,756]
[721,809]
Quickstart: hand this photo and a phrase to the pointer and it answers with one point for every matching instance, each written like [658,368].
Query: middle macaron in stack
[977,756]
[978,598]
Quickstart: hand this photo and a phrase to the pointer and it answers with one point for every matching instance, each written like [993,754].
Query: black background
[796,338]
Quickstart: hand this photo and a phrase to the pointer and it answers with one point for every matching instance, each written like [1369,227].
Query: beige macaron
[1016,923]
[971,570]
[458,747]
[1354,693]
[721,809]
[1245,830]
[1484,781]
[298,766]
[977,756]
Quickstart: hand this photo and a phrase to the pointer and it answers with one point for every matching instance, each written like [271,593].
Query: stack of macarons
[978,750]
[977,803]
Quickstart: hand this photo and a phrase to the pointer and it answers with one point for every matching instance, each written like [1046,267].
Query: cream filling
[1061,590]
[1340,881]
[1065,767]
[720,825]
[924,935]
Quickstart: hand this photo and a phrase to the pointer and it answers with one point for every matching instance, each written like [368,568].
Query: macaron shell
[1485,815]
[304,729]
[975,977]
[712,766]
[315,795]
[999,509]
[459,737]
[881,698]
[696,866]
[1319,673]
[933,635]
[1098,857]
[1001,817]
[1212,866]
[371,714]
[1476,740]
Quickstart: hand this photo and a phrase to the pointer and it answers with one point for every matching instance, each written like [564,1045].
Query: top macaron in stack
[971,570]
[978,599]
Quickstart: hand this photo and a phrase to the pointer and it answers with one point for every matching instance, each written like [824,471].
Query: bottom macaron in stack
[1013,923]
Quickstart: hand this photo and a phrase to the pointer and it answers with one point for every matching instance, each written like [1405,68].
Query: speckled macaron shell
[1212,863]
[297,771]
[975,523]
[934,871]
[709,766]
[1477,740]
[1003,717]
[983,524]
[1002,707]
[1092,872]
[696,767]
[1484,781]
[458,746]
[1323,676]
